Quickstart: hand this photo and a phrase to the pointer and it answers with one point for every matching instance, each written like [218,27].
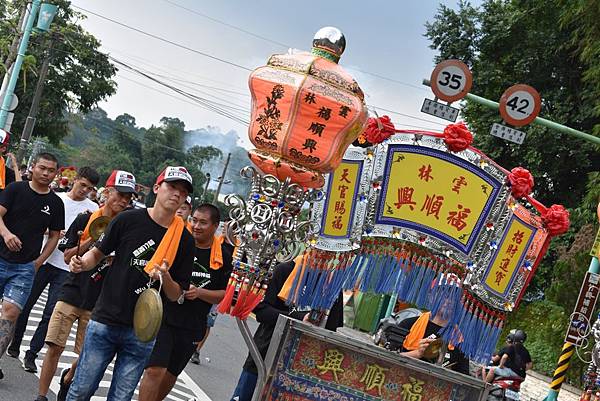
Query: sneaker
[12,352]
[29,364]
[195,358]
[41,398]
[64,387]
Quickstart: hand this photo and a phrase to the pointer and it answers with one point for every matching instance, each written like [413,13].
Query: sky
[383,38]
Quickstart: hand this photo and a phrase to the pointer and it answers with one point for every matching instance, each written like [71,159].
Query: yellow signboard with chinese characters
[340,199]
[436,193]
[509,258]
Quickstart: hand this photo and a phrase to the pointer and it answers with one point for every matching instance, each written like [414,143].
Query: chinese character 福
[324,113]
[332,363]
[413,391]
[457,218]
[432,205]
[405,198]
[337,223]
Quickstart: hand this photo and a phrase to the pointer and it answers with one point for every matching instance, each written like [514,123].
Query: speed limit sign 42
[520,105]
[451,80]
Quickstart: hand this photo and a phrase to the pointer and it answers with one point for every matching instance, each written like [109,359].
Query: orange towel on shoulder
[417,332]
[299,262]
[216,254]
[2,173]
[167,249]
[94,216]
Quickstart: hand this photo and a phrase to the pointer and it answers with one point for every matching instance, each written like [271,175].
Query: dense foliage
[552,45]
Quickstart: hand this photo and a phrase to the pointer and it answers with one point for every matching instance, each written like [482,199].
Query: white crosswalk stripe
[185,389]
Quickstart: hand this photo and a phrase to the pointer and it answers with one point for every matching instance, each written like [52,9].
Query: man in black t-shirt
[134,236]
[27,210]
[80,291]
[184,325]
[457,361]
[513,360]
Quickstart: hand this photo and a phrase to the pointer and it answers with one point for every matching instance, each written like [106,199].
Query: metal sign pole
[538,120]
[256,357]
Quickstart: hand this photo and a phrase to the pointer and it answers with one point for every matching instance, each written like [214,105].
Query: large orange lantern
[306,111]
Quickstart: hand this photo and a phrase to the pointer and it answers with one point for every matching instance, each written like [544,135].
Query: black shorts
[173,349]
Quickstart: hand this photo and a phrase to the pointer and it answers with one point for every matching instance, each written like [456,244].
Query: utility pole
[47,13]
[35,104]
[221,179]
[205,193]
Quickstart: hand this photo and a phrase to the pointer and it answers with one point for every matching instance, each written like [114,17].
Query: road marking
[185,389]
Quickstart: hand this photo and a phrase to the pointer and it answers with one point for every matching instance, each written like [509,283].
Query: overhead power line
[163,39]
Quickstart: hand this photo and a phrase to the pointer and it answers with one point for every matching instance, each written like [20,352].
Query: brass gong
[433,349]
[147,315]
[98,226]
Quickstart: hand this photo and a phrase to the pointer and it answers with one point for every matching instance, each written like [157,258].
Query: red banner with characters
[317,370]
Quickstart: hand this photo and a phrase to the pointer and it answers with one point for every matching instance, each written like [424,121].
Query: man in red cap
[7,174]
[148,243]
[80,291]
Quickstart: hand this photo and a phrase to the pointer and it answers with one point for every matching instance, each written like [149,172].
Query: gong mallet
[79,235]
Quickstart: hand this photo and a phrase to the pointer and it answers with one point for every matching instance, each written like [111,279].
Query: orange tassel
[225,304]
[242,294]
[258,298]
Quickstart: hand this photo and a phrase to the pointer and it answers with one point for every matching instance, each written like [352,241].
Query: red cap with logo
[122,181]
[171,174]
[4,137]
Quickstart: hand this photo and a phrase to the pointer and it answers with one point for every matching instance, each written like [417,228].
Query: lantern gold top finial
[329,43]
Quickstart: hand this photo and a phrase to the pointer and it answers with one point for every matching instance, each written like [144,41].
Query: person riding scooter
[513,360]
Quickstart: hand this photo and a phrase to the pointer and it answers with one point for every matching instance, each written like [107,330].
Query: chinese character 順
[316,128]
[374,377]
[432,205]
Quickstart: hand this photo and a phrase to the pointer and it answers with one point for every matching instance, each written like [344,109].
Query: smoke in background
[226,143]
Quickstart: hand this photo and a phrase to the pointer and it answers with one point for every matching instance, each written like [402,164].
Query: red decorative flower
[556,220]
[521,182]
[379,129]
[457,137]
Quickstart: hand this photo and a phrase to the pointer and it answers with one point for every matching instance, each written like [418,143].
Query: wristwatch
[181,298]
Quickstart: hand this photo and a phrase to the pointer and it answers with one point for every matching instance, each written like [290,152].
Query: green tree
[551,45]
[78,78]
[509,42]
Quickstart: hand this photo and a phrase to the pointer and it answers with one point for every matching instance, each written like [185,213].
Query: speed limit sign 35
[451,80]
[520,105]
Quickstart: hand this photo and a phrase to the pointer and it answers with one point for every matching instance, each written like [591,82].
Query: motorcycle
[505,389]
